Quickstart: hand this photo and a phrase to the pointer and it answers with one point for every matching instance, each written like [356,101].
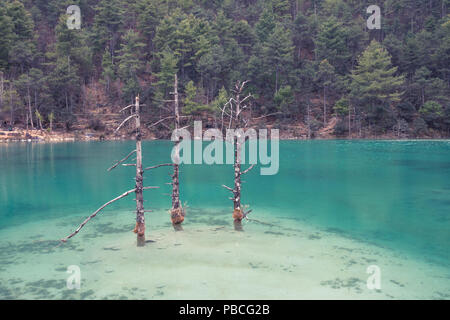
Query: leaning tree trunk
[140,213]
[177,213]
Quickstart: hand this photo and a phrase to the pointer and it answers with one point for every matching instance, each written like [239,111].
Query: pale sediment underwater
[334,209]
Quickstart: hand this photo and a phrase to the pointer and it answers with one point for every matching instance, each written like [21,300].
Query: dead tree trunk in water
[237,213]
[177,213]
[233,110]
[140,216]
[139,187]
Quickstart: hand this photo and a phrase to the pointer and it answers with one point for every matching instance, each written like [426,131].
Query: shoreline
[38,136]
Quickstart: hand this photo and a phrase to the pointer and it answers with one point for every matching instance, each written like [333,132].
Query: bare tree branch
[247,97]
[127,107]
[95,214]
[228,188]
[159,166]
[121,161]
[248,170]
[166,126]
[184,127]
[268,115]
[158,122]
[125,121]
[244,84]
[223,111]
[247,213]
[167,118]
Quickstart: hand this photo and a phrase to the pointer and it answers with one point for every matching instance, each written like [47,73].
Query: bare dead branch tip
[159,166]
[158,122]
[124,122]
[121,161]
[127,107]
[95,214]
[247,213]
[268,115]
[228,188]
[248,170]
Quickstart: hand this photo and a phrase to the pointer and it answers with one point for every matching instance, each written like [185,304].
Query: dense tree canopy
[308,60]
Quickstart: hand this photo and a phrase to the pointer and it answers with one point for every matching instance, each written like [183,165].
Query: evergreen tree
[107,26]
[130,66]
[433,114]
[266,25]
[331,44]
[278,53]
[421,81]
[64,85]
[39,90]
[302,34]
[71,45]
[166,75]
[6,31]
[150,14]
[191,104]
[284,101]
[375,83]
[281,8]
[327,78]
[441,57]
[22,48]
[22,21]
[108,72]
[244,35]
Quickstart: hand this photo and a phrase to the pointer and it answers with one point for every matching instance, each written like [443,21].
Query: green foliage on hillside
[311,60]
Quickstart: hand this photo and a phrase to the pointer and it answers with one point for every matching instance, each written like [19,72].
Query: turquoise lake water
[389,194]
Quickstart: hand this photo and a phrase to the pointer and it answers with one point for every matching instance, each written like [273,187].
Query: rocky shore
[19,135]
[294,131]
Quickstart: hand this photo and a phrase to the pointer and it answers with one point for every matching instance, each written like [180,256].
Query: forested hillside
[312,64]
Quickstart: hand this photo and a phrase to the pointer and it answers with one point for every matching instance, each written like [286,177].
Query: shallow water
[335,208]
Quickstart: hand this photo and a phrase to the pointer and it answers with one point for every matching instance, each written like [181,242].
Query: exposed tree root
[177,215]
[140,231]
[238,215]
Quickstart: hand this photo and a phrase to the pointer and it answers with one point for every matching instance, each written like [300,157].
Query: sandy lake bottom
[271,259]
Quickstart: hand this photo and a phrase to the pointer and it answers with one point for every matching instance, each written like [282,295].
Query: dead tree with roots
[139,186]
[232,118]
[177,212]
